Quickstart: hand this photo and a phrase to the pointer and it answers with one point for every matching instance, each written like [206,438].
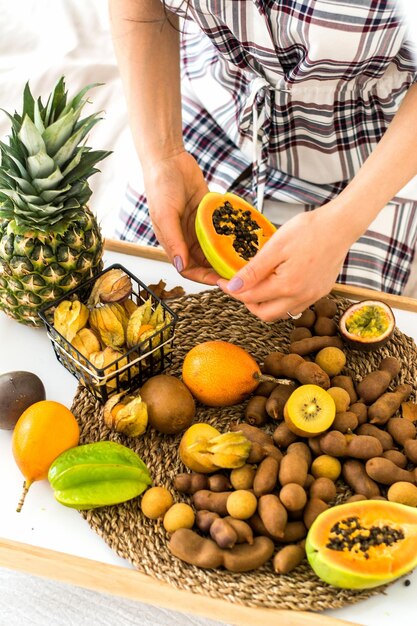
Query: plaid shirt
[290,97]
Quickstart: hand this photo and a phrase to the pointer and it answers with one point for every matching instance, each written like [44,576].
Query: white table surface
[43,522]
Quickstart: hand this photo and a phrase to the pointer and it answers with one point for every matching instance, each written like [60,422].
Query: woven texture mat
[202,317]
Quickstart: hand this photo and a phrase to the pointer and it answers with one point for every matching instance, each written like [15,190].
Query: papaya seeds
[170,405]
[230,231]
[361,545]
[309,411]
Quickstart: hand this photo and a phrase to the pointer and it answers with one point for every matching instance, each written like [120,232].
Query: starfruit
[127,415]
[228,450]
[86,342]
[112,286]
[69,317]
[98,474]
[110,323]
[106,360]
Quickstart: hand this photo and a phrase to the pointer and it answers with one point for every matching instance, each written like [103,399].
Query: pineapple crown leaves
[45,166]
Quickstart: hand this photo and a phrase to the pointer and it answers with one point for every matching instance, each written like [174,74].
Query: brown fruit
[171,407]
[219,373]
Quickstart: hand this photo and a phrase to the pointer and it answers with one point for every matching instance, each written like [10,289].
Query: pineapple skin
[36,267]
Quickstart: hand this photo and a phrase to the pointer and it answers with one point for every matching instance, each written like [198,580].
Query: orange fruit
[219,373]
[43,431]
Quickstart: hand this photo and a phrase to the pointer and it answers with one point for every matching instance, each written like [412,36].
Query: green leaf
[37,117]
[30,137]
[49,195]
[49,182]
[28,102]
[56,102]
[57,134]
[40,165]
[66,152]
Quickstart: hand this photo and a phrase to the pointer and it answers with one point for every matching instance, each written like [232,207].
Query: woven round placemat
[207,316]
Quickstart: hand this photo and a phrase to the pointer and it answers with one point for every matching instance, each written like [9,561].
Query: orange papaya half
[360,545]
[230,231]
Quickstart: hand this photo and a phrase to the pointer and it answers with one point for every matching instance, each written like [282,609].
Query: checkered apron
[282,103]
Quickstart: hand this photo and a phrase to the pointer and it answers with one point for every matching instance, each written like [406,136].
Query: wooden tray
[131,584]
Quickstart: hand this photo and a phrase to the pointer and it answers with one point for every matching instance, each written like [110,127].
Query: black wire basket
[135,364]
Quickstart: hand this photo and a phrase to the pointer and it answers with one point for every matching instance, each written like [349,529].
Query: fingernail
[179,265]
[235,284]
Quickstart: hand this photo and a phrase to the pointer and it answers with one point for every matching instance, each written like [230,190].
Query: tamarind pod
[398,458]
[300,332]
[190,482]
[314,344]
[387,404]
[242,529]
[373,385]
[283,436]
[312,509]
[325,307]
[288,558]
[211,501]
[345,421]
[410,448]
[244,557]
[98,474]
[386,472]
[223,533]
[293,469]
[271,450]
[401,430]
[272,364]
[255,412]
[357,478]
[266,476]
[204,519]
[361,411]
[274,405]
[307,319]
[383,436]
[309,372]
[265,388]
[256,454]
[294,531]
[254,434]
[258,526]
[273,514]
[345,382]
[218,482]
[324,326]
[190,547]
[301,448]
[337,444]
[289,363]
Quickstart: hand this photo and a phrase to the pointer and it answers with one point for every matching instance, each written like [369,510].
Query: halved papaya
[230,231]
[360,545]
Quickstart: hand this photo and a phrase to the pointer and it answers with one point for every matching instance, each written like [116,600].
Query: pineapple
[50,241]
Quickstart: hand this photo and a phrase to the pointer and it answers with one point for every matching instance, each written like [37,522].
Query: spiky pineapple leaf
[30,137]
[40,165]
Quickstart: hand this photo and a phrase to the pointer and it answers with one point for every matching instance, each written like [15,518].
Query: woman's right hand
[174,187]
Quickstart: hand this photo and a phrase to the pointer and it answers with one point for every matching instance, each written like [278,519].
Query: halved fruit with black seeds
[309,411]
[230,231]
[367,325]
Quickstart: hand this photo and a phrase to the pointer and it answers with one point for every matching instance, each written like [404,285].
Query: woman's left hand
[297,266]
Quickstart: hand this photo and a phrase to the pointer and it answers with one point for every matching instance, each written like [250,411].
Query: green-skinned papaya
[98,474]
[230,231]
[360,545]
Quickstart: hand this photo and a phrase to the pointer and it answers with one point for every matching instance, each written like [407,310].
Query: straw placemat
[207,316]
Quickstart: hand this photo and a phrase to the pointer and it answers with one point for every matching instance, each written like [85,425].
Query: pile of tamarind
[263,510]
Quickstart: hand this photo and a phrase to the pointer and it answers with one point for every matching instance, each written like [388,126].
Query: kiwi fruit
[309,411]
[171,407]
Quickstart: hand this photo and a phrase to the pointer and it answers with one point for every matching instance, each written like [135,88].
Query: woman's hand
[174,188]
[298,265]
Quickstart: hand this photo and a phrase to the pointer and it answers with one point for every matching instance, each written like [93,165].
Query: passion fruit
[367,325]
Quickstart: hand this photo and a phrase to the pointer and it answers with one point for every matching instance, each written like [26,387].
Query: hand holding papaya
[174,187]
[298,265]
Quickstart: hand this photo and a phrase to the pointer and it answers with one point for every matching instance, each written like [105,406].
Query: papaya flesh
[360,545]
[230,231]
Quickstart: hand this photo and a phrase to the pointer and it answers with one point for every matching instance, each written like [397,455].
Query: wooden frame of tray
[131,584]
